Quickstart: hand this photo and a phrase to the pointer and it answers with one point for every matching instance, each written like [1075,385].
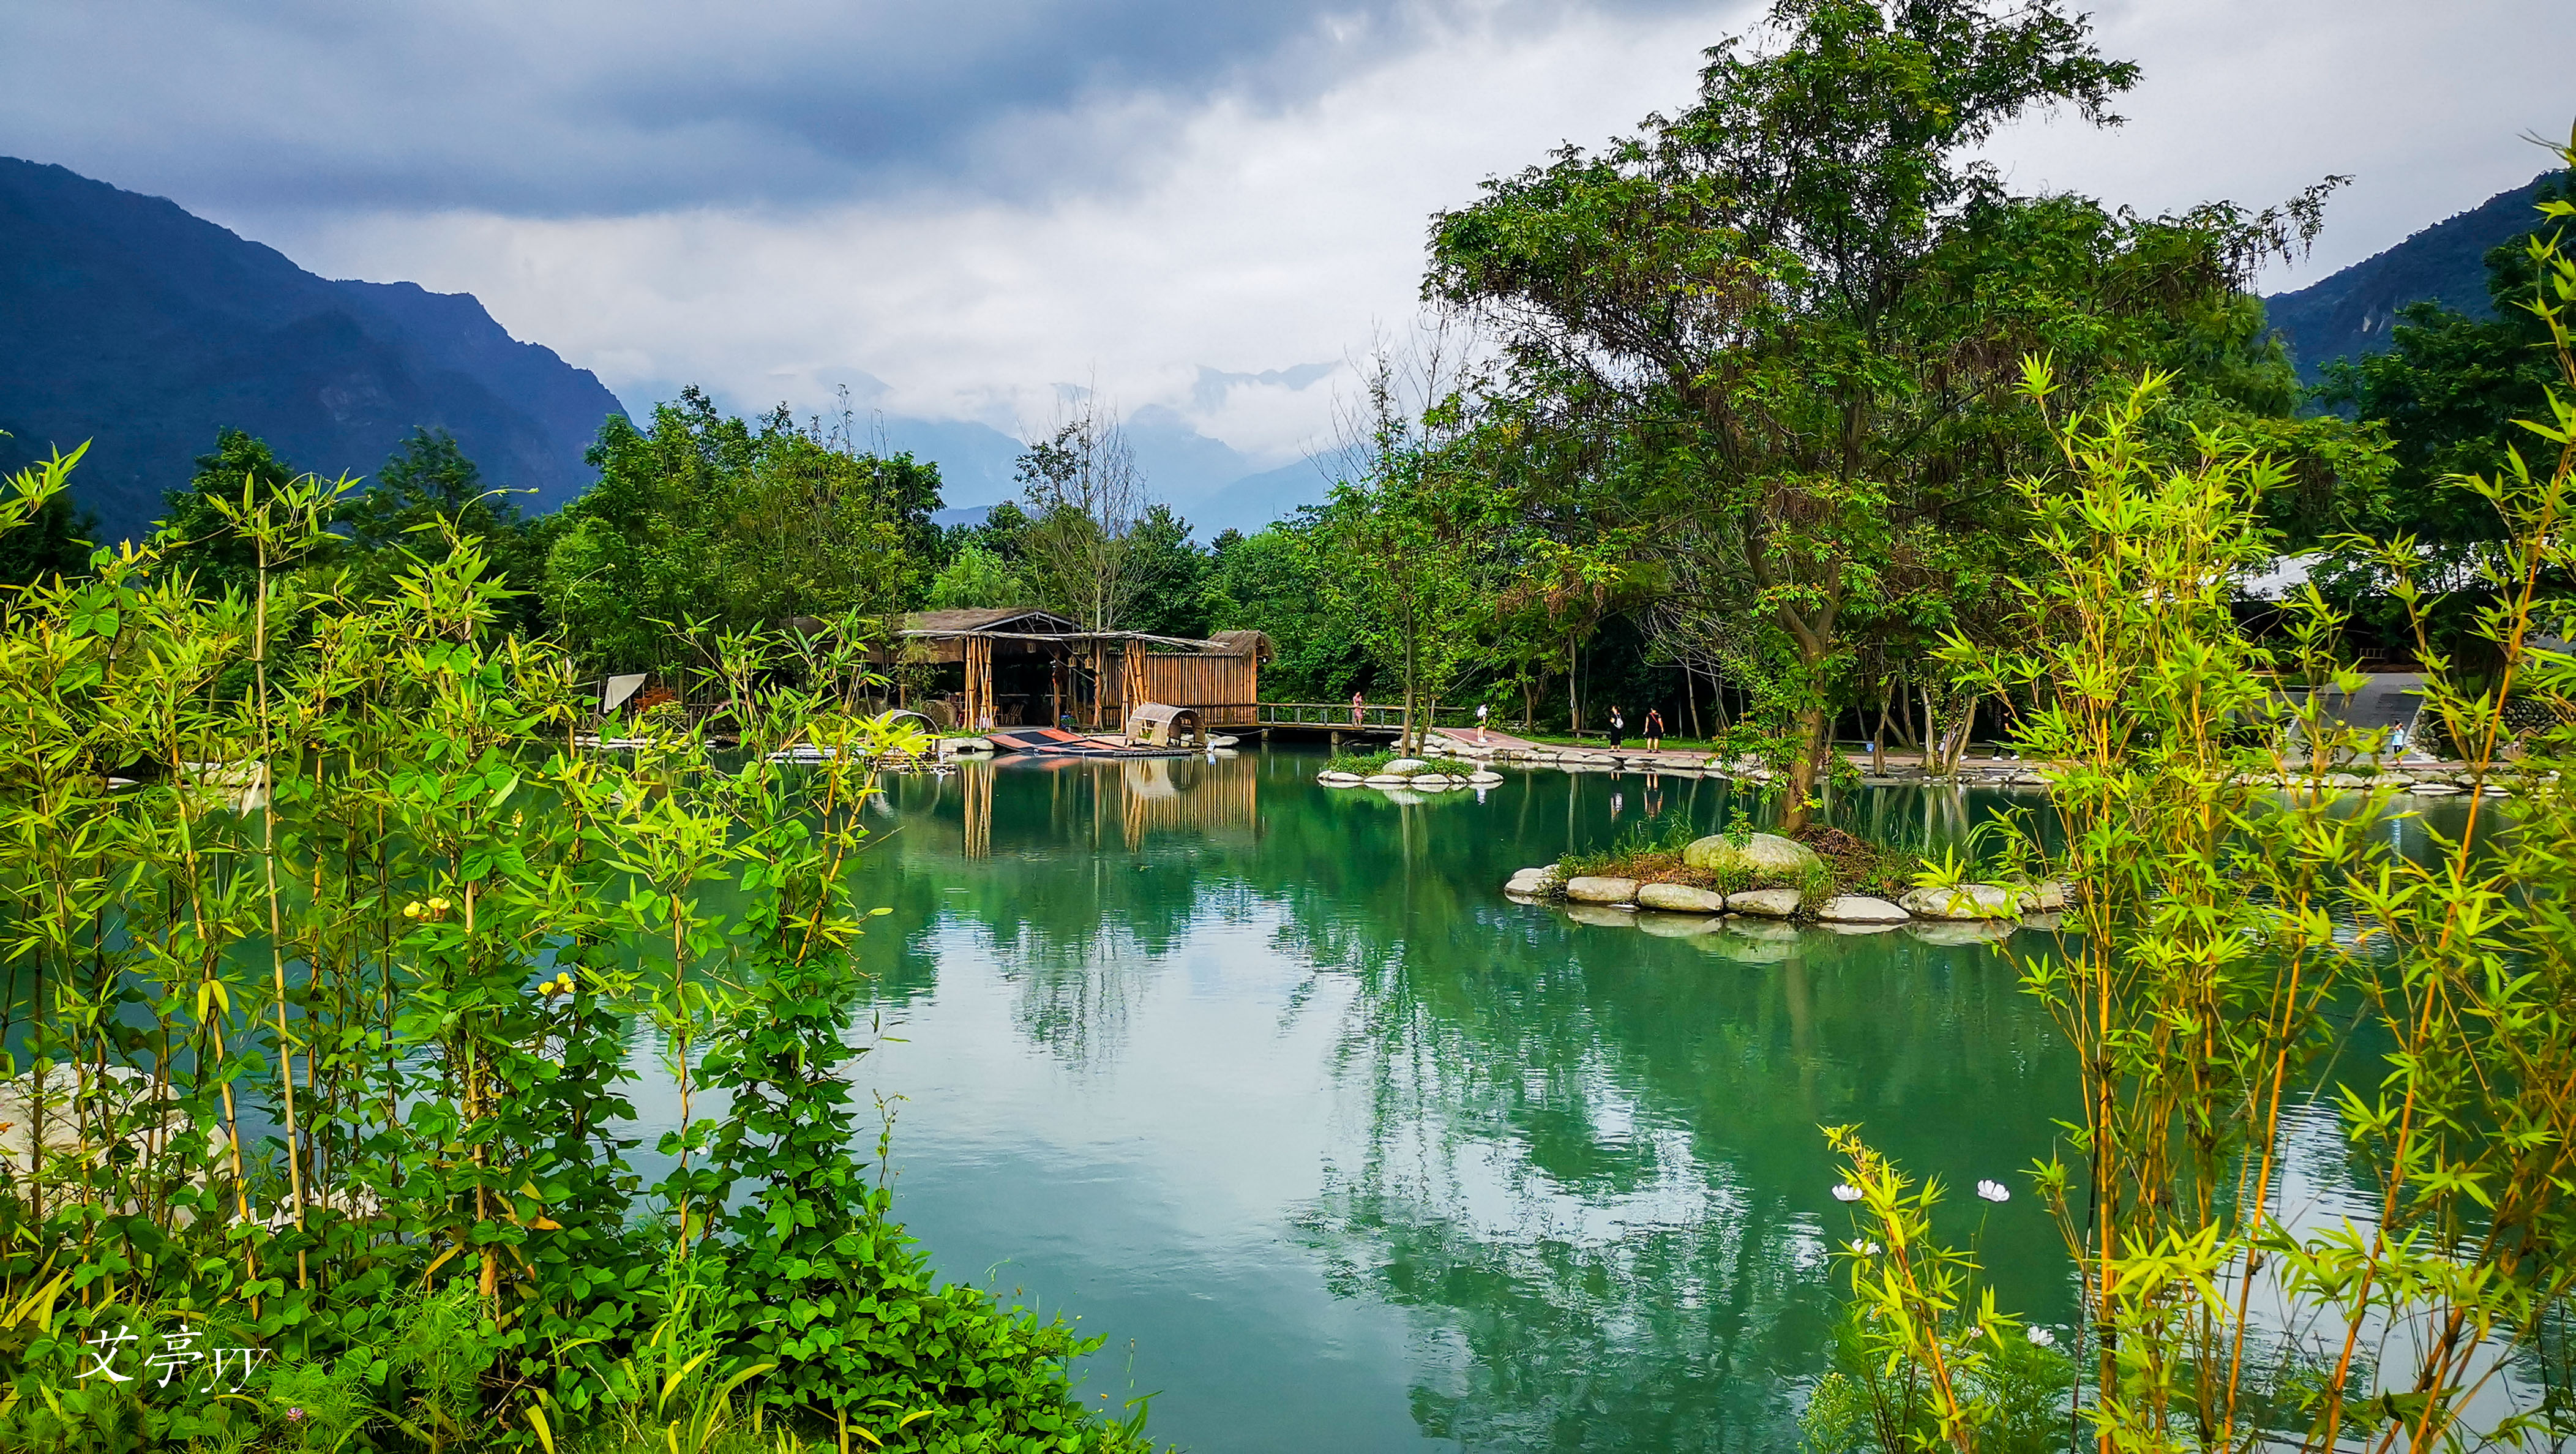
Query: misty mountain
[2350,312]
[128,322]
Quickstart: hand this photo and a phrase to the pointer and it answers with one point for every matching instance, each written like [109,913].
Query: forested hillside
[2351,312]
[128,322]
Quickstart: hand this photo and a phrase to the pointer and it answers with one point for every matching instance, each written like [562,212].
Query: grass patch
[1367,763]
[1651,852]
[1860,866]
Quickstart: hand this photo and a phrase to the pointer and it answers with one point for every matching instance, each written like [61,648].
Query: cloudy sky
[955,208]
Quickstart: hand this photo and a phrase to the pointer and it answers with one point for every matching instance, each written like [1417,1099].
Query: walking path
[1636,756]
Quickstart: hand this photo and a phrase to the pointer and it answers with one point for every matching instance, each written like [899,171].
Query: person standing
[1654,730]
[1618,727]
[1481,711]
[1356,702]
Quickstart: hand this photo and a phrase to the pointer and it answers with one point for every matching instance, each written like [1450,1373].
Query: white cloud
[1269,234]
[2421,102]
[1273,237]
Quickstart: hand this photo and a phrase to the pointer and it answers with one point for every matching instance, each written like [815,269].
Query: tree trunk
[1690,695]
[1573,685]
[1812,744]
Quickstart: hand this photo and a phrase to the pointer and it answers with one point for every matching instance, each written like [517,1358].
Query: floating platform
[1056,742]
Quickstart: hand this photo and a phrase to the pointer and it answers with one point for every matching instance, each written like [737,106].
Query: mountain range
[129,323]
[2350,312]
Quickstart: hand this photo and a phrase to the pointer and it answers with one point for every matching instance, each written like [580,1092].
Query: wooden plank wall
[1225,690]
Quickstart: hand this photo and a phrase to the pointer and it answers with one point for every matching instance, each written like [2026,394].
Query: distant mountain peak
[127,321]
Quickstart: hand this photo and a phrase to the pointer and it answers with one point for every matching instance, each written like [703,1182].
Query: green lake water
[1340,1149]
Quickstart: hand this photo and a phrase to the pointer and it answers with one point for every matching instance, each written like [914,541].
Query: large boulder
[1764,903]
[1860,909]
[1681,899]
[1965,901]
[1589,890]
[1760,855]
[1406,766]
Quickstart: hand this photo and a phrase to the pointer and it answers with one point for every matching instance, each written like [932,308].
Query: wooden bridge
[1368,720]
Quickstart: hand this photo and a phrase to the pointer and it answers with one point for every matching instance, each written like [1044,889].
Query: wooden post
[1134,660]
[979,682]
[977,781]
[1055,686]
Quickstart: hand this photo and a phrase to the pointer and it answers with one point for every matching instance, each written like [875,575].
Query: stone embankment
[1416,775]
[1451,761]
[1988,909]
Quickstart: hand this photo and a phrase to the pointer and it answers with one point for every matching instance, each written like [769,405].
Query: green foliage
[322,1025]
[1403,549]
[1922,1361]
[2229,937]
[699,518]
[1171,576]
[1766,346]
[53,540]
[975,576]
[1272,583]
[198,541]
[427,497]
[2447,392]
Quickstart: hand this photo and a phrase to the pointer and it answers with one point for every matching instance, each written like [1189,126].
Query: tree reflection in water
[1583,1163]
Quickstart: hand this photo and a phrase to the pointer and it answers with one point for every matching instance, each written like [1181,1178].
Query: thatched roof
[1253,644]
[1020,620]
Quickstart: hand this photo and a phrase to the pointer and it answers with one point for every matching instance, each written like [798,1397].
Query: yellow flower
[411,911]
[438,906]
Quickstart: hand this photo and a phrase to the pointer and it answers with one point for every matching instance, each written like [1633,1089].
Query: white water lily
[2043,1337]
[1845,1192]
[1865,1249]
[1993,1191]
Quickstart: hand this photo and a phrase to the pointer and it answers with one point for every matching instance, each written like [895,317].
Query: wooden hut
[1021,667]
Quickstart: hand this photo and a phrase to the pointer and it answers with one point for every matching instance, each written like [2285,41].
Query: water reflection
[1271,1080]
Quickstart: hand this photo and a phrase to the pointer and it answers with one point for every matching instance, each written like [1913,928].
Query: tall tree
[703,517]
[1406,542]
[1791,314]
[1085,497]
[1171,575]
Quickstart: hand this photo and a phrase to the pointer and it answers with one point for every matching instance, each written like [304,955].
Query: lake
[1269,1085]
